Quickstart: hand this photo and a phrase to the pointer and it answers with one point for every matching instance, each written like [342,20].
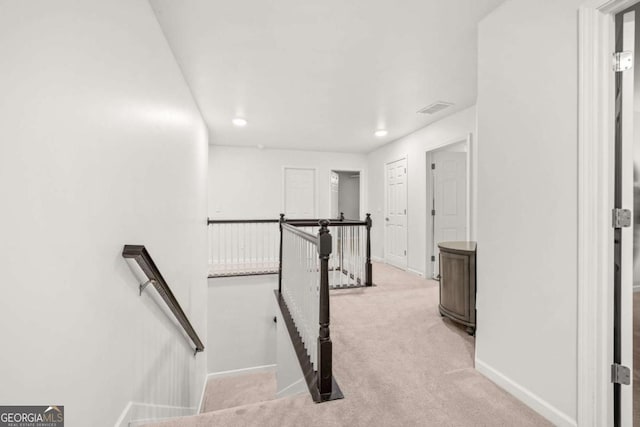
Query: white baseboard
[234,372]
[415,272]
[636,288]
[297,387]
[231,373]
[138,413]
[530,399]
[376,259]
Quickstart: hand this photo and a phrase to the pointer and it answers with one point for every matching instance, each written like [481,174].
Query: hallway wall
[101,145]
[247,182]
[240,312]
[453,128]
[527,210]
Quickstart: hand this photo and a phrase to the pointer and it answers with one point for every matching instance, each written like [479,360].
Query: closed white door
[299,193]
[450,200]
[395,221]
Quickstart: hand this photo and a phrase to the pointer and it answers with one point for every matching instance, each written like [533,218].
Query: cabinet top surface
[458,246]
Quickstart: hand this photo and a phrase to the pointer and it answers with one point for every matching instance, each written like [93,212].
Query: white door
[395,221]
[299,193]
[449,201]
[335,195]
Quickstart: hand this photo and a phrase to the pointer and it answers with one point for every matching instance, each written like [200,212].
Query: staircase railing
[303,297]
[251,247]
[243,247]
[350,264]
[140,254]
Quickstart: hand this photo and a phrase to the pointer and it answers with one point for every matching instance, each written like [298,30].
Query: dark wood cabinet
[458,283]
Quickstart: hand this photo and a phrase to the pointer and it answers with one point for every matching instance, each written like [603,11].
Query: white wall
[527,203]
[101,145]
[247,182]
[450,129]
[242,333]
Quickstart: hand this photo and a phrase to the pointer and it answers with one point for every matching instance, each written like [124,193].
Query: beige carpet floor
[229,392]
[397,362]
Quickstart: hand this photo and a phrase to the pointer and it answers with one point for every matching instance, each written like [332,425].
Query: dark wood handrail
[300,222]
[140,254]
[241,221]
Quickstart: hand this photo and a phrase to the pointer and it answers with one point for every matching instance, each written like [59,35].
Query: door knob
[386,219]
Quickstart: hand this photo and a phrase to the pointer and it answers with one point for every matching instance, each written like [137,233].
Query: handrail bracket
[145,284]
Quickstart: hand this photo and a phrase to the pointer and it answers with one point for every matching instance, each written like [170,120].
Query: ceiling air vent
[434,108]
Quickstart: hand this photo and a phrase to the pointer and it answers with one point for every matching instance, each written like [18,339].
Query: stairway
[232,391]
[237,400]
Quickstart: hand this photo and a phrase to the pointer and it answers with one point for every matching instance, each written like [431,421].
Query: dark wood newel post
[324,373]
[282,220]
[369,270]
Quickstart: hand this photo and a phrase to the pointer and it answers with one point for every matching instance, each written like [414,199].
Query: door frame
[362,190]
[315,189]
[596,43]
[404,157]
[429,187]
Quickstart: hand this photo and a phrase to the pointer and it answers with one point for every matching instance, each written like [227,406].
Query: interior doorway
[448,199]
[626,301]
[345,194]
[395,219]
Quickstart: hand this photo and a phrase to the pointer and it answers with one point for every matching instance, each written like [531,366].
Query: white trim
[529,398]
[415,272]
[138,411]
[233,372]
[595,199]
[297,387]
[243,371]
[377,259]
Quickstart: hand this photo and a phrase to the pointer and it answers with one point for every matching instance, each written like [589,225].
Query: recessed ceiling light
[239,121]
[380,133]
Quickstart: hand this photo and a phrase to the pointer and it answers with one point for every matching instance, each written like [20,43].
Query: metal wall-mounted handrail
[140,254]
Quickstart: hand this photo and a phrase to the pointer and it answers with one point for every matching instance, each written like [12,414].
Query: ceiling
[323,75]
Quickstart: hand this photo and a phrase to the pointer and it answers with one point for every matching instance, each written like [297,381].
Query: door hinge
[620,374]
[405,171]
[405,211]
[433,258]
[621,218]
[405,252]
[622,61]
[433,165]
[433,212]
